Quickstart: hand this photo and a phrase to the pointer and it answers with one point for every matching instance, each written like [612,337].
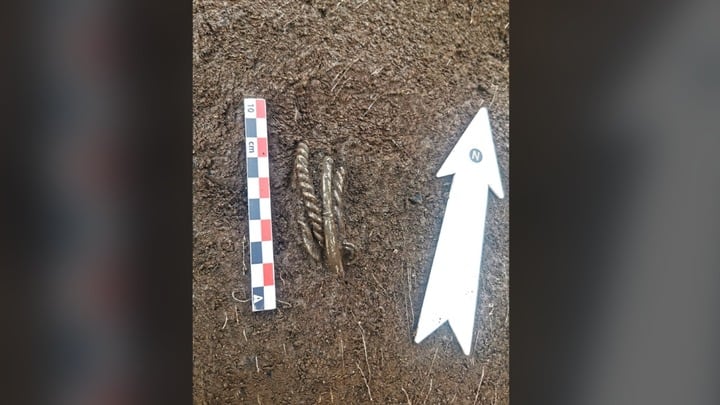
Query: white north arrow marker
[451,293]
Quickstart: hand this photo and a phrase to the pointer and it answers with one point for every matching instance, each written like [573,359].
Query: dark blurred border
[97,234]
[614,211]
[616,185]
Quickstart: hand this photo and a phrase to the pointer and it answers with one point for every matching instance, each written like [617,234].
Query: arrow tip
[463,334]
[475,152]
[497,190]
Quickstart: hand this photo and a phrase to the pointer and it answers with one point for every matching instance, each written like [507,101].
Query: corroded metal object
[307,190]
[322,229]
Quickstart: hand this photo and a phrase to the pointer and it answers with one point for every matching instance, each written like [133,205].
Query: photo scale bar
[262,263]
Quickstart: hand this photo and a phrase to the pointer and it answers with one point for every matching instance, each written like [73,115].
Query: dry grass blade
[366,381]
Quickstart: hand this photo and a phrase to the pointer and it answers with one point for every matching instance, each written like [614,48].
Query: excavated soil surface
[386,88]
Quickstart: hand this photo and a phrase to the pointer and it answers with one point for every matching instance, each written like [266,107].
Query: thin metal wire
[307,191]
[333,256]
[310,244]
[338,185]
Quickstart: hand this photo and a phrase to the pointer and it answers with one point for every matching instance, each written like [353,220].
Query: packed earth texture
[385,88]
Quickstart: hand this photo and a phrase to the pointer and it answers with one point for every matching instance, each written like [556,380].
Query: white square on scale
[255,230]
[261,127]
[253,187]
[270,297]
[265,208]
[256,275]
[263,167]
[267,252]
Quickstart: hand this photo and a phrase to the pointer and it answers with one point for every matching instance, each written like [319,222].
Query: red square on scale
[266,230]
[260,109]
[268,275]
[262,146]
[264,187]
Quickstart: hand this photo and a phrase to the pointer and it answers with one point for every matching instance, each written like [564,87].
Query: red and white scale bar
[262,263]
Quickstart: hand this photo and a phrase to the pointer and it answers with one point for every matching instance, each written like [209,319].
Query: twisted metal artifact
[323,228]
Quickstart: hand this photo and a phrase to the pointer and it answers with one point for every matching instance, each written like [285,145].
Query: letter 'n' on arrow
[451,293]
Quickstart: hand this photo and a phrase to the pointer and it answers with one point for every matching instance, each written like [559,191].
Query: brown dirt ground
[385,87]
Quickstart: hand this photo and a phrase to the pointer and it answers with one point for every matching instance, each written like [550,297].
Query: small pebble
[416,199]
